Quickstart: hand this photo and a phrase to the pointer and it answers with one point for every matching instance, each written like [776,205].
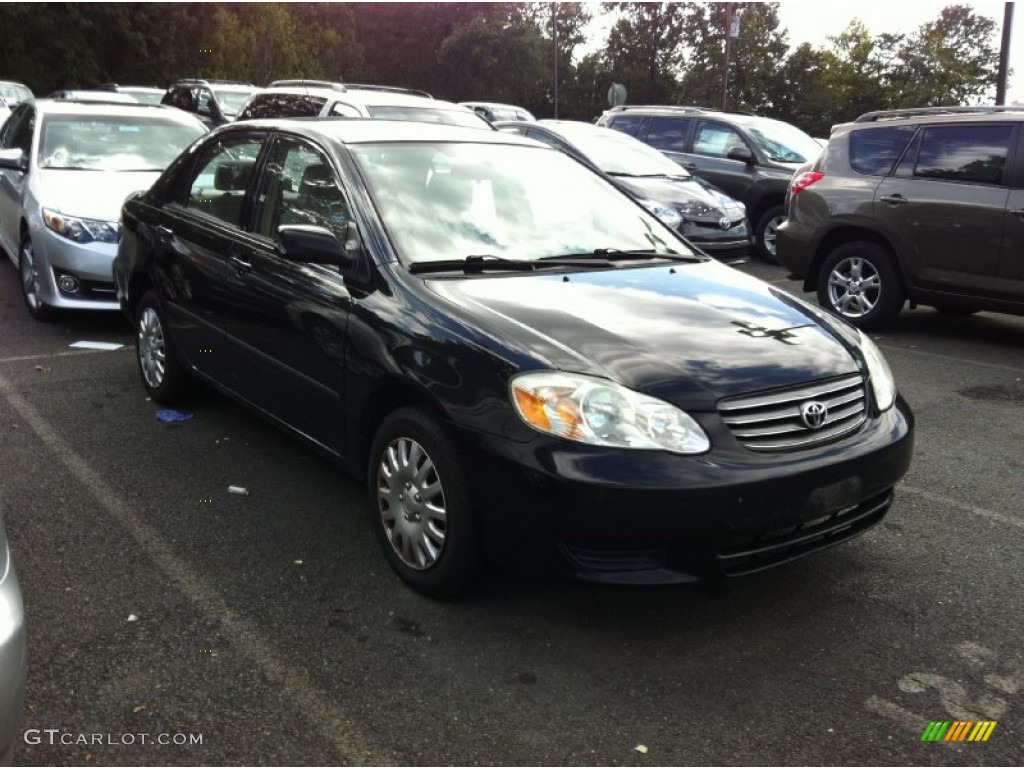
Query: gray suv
[925,205]
[750,158]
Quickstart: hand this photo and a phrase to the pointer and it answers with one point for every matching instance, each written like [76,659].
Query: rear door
[17,133]
[1010,270]
[946,204]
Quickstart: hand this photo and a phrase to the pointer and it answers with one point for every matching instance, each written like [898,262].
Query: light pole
[732,31]
[1004,54]
[554,50]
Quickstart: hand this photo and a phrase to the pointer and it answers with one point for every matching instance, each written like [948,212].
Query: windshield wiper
[616,254]
[620,174]
[487,262]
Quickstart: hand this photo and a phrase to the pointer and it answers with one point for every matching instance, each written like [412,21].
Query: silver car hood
[90,194]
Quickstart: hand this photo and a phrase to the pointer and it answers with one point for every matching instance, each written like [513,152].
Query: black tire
[440,555]
[764,233]
[28,277]
[162,375]
[859,281]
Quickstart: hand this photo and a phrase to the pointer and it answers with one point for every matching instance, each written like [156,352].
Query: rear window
[970,153]
[626,123]
[874,151]
[282,105]
[668,133]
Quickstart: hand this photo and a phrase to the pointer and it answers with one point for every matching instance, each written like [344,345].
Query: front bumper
[89,262]
[649,517]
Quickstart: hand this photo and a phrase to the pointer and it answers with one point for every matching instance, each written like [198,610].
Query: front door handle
[894,199]
[241,265]
[164,234]
[689,166]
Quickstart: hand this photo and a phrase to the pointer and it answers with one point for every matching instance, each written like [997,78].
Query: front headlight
[599,412]
[882,382]
[669,216]
[698,210]
[80,230]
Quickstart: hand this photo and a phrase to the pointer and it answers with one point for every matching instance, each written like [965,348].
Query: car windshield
[14,93]
[462,117]
[112,142]
[442,201]
[615,152]
[783,142]
[232,101]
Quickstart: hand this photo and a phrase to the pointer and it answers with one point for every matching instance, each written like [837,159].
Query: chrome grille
[772,421]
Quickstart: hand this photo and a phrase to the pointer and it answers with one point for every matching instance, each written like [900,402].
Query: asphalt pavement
[171,622]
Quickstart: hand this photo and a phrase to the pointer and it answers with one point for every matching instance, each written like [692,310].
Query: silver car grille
[787,419]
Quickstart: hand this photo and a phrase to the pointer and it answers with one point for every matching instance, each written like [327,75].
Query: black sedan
[698,210]
[508,350]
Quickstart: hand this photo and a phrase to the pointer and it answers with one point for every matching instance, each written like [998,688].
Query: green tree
[644,49]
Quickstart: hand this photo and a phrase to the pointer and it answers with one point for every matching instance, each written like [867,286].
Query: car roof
[369,131]
[70,107]
[106,97]
[366,98]
[498,104]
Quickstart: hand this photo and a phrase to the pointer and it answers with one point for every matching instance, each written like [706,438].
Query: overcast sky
[813,22]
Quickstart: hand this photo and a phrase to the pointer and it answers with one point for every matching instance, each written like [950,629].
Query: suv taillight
[804,180]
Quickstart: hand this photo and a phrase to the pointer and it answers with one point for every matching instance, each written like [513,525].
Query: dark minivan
[508,351]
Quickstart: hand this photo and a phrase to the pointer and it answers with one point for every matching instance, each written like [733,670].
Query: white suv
[317,98]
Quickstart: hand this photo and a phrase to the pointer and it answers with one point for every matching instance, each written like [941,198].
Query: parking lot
[268,624]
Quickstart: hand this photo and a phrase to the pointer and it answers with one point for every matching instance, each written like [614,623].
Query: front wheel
[765,232]
[162,375]
[422,509]
[859,282]
[28,270]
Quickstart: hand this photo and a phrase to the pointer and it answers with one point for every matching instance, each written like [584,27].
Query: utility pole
[1004,54]
[732,31]
[554,51]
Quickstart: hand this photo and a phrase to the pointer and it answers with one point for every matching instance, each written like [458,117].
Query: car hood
[90,194]
[679,192]
[687,333]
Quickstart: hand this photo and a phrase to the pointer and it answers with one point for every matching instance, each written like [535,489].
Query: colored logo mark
[958,730]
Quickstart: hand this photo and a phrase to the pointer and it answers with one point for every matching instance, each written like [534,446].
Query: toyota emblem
[724,222]
[814,413]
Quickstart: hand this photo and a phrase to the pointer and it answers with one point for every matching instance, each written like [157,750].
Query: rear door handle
[164,235]
[894,199]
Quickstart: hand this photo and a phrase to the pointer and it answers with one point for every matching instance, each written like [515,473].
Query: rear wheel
[28,270]
[859,282]
[162,375]
[422,509]
[765,232]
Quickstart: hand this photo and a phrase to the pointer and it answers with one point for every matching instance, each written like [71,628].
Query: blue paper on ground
[166,414]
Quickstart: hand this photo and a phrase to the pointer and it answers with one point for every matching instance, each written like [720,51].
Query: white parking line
[351,744]
[29,358]
[973,509]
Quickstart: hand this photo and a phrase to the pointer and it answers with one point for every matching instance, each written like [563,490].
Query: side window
[204,102]
[716,139]
[874,150]
[668,133]
[17,131]
[970,153]
[344,110]
[299,187]
[627,123]
[218,189]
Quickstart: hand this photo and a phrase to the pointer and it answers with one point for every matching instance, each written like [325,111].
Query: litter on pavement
[167,414]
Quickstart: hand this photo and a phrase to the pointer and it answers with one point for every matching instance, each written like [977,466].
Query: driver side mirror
[14,159]
[741,153]
[317,245]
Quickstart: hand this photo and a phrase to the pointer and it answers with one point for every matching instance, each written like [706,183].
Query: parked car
[924,204]
[65,169]
[315,98]
[706,216]
[12,94]
[493,112]
[144,94]
[508,351]
[12,654]
[215,102]
[748,157]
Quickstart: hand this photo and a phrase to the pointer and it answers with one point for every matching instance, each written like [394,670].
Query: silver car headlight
[882,382]
[596,411]
[668,215]
[80,230]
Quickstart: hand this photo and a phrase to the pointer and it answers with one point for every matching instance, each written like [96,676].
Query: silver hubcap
[29,276]
[152,349]
[412,504]
[854,287]
[770,233]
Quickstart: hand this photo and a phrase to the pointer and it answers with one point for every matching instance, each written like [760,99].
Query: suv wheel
[859,282]
[764,233]
[420,500]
